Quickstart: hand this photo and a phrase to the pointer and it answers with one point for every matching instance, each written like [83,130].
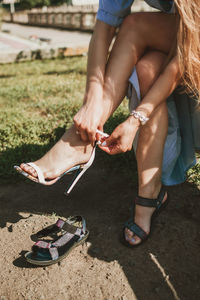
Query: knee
[146,76]
[145,72]
[148,68]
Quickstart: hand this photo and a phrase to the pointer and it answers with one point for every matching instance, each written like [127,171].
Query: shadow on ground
[165,267]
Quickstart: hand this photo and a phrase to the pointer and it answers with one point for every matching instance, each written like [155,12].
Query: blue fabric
[179,153]
[112,12]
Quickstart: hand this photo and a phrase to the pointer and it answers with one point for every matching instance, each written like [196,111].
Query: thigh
[158,30]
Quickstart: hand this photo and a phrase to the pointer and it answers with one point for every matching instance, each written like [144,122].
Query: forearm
[88,118]
[97,59]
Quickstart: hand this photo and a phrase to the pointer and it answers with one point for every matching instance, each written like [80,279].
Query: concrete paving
[21,42]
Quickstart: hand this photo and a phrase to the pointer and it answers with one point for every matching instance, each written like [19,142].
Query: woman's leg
[138,32]
[150,146]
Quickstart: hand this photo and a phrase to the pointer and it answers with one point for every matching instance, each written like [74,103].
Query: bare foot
[142,219]
[69,151]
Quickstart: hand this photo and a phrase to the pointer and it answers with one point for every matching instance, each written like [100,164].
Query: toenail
[130,239]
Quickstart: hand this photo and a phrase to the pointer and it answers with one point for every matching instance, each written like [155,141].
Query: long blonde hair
[188,44]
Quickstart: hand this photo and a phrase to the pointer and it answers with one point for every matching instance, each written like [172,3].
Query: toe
[131,238]
[28,169]
[129,234]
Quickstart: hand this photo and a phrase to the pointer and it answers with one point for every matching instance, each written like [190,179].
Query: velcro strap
[136,229]
[60,223]
[146,202]
[69,227]
[42,244]
[65,238]
[54,253]
[151,202]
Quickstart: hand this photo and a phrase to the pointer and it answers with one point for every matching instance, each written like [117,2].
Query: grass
[194,173]
[38,100]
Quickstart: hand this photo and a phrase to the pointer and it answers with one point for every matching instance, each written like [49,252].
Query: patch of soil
[165,267]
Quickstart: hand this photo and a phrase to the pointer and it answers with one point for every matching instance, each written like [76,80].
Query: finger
[77,128]
[112,149]
[102,139]
[98,137]
[115,149]
[83,135]
[101,136]
[76,122]
[109,141]
[105,149]
[100,128]
[92,137]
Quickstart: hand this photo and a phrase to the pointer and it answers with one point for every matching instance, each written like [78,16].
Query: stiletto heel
[80,170]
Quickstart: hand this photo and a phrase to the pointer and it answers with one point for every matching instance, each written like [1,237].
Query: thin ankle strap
[38,171]
[151,202]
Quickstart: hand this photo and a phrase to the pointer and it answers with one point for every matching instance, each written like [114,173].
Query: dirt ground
[166,267]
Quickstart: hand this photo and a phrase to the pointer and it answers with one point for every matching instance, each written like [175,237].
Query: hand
[88,120]
[121,140]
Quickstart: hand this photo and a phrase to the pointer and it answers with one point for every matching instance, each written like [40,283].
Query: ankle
[143,211]
[149,191]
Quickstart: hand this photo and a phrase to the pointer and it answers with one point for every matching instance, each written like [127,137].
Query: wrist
[133,122]
[93,94]
[140,116]
[94,85]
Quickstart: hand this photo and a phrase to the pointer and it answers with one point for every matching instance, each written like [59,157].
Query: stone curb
[40,53]
[18,50]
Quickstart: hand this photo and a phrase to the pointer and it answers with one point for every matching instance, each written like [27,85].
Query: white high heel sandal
[78,169]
